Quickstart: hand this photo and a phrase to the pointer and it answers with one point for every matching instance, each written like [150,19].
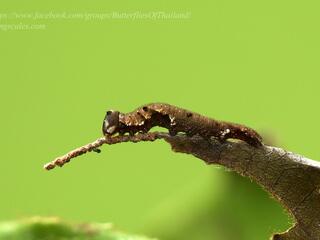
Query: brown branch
[60,161]
[290,178]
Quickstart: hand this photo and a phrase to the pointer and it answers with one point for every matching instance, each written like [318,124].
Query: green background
[251,62]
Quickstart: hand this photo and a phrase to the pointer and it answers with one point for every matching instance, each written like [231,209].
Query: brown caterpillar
[175,120]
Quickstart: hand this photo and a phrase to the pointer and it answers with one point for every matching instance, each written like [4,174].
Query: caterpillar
[176,120]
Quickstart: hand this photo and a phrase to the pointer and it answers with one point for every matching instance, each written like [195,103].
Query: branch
[290,178]
[60,161]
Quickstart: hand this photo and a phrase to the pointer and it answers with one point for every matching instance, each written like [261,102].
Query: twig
[60,161]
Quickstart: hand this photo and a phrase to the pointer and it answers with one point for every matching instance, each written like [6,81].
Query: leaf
[290,178]
[54,229]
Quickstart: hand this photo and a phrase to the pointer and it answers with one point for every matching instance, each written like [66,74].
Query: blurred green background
[251,62]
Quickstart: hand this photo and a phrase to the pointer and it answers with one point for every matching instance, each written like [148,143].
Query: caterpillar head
[110,123]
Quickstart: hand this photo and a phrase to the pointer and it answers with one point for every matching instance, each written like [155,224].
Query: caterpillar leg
[172,132]
[224,134]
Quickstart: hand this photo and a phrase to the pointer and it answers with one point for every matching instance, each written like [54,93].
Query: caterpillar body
[176,120]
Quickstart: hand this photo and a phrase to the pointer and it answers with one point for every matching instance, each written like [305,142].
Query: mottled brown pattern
[178,120]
